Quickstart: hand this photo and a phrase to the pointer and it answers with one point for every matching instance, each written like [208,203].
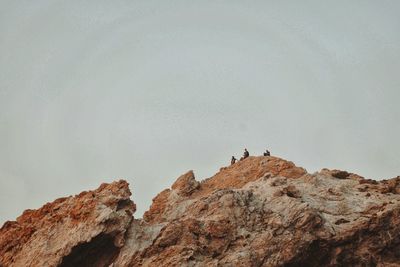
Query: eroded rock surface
[262,211]
[84,230]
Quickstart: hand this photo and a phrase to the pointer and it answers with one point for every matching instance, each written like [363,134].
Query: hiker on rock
[267,153]
[233,160]
[245,154]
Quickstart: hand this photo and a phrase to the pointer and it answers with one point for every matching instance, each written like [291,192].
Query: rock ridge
[262,211]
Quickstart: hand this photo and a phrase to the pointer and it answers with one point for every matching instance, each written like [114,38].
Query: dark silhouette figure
[245,154]
[267,153]
[233,160]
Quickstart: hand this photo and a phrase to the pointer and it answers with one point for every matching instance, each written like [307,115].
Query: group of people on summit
[246,154]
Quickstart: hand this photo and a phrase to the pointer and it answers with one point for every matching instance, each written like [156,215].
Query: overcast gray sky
[93,91]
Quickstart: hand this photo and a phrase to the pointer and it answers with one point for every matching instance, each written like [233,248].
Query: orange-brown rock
[185,184]
[262,211]
[89,227]
[234,176]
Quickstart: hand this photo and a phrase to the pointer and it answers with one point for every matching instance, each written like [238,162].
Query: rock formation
[85,230]
[262,211]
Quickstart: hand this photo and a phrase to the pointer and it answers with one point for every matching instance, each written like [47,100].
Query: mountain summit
[262,211]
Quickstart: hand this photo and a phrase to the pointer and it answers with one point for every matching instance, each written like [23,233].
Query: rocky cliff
[262,211]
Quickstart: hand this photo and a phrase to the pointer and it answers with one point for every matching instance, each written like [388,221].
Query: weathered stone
[238,217]
[186,184]
[72,231]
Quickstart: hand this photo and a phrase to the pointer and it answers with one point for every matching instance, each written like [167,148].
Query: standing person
[245,153]
[233,160]
[267,153]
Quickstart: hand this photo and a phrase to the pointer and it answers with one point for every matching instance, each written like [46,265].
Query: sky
[96,91]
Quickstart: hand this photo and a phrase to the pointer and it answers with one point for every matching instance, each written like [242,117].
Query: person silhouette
[245,153]
[233,160]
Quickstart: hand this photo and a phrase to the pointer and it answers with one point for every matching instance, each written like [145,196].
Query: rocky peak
[88,227]
[262,211]
[185,184]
